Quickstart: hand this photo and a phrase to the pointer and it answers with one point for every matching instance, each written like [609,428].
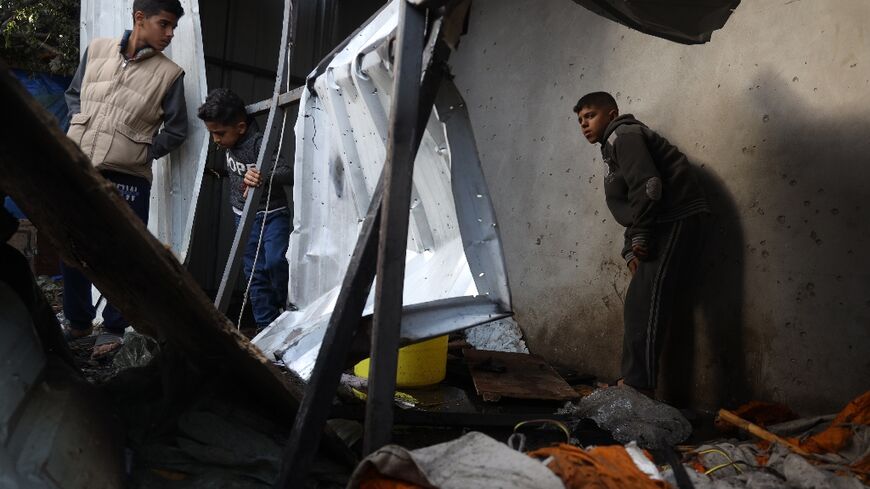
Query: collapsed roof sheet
[455,274]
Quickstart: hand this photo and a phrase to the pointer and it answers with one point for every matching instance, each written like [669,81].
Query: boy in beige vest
[123,91]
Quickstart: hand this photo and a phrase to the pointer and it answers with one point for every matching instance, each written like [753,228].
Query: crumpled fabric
[609,467]
[784,469]
[842,455]
[471,461]
[842,429]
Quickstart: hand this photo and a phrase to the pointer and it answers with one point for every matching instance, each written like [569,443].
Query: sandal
[110,343]
[70,334]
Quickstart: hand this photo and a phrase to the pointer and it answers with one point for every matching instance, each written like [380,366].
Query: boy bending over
[267,270]
[652,190]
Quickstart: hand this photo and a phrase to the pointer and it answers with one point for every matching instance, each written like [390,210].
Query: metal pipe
[270,139]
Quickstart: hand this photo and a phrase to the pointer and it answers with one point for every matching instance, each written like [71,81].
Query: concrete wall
[775,112]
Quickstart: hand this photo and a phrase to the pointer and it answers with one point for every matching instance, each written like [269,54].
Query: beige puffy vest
[121,107]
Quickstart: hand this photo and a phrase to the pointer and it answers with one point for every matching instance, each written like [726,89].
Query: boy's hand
[632,266]
[640,251]
[252,178]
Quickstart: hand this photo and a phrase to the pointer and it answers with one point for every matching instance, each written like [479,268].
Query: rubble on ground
[632,416]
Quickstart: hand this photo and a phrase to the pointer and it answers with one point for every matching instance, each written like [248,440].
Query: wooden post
[393,240]
[760,432]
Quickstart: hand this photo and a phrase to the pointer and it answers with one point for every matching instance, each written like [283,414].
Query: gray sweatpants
[661,283]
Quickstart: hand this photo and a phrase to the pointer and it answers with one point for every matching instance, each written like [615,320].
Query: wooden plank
[93,228]
[285,100]
[90,225]
[515,375]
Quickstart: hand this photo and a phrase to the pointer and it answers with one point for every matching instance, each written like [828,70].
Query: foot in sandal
[107,343]
[72,334]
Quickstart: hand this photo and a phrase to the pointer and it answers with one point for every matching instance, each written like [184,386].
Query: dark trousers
[78,306]
[269,275]
[660,284]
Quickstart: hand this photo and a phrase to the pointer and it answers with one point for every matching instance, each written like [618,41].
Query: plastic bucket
[420,364]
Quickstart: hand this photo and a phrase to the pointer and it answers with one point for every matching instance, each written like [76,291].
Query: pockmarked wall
[775,114]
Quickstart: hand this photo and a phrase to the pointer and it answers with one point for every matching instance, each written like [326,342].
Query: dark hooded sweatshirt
[649,181]
[243,156]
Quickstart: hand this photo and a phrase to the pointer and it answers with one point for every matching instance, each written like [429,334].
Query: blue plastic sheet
[48,90]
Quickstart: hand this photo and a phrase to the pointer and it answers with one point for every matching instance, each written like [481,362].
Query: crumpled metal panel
[455,274]
[49,416]
[178,176]
[675,20]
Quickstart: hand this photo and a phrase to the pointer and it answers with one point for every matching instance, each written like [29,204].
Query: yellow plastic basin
[419,364]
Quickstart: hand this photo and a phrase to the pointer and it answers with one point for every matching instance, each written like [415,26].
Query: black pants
[661,283]
[78,305]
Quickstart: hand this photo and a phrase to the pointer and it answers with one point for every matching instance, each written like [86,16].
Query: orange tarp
[598,468]
[862,469]
[836,436]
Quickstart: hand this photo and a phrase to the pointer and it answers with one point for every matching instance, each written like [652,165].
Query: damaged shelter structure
[395,244]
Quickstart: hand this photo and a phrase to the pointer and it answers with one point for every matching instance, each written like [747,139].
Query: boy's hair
[154,7]
[223,106]
[598,99]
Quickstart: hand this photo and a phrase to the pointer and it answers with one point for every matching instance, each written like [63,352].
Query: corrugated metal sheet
[455,275]
[177,177]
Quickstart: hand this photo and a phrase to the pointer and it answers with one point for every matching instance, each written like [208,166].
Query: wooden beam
[91,226]
[93,229]
[285,100]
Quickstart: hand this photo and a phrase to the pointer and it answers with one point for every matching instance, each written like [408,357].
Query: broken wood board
[515,375]
[93,229]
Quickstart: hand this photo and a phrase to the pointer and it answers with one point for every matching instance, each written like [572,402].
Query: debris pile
[632,416]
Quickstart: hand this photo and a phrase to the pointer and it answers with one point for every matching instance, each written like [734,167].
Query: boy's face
[157,30]
[594,120]
[226,136]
